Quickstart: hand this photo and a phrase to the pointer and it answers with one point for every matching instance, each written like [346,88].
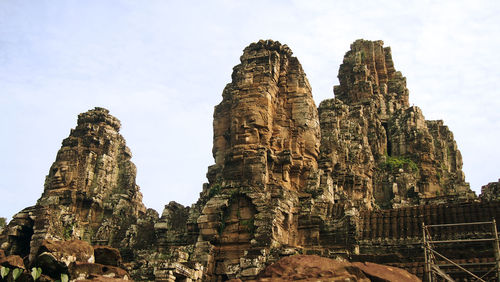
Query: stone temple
[352,179]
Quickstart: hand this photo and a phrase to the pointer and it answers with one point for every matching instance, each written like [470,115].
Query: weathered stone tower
[354,178]
[89,194]
[375,147]
[288,180]
[266,144]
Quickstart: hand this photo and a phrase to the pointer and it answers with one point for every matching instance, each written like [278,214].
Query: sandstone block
[107,255]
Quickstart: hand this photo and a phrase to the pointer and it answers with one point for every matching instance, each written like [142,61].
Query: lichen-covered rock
[355,177]
[89,194]
[172,226]
[490,191]
[351,139]
[16,237]
[289,178]
[140,235]
[375,148]
[367,74]
[77,259]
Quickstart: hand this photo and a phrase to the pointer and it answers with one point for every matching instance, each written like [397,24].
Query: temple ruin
[354,178]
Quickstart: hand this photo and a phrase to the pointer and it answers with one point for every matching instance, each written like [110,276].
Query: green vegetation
[16,273]
[36,272]
[64,278]
[68,231]
[395,163]
[444,167]
[4,271]
[249,224]
[214,190]
[223,218]
[165,256]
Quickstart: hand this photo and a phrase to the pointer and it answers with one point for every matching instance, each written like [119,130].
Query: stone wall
[394,236]
[406,223]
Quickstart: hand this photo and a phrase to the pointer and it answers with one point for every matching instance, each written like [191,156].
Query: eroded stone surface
[96,271]
[377,272]
[315,268]
[353,178]
[76,259]
[311,268]
[266,128]
[89,194]
[12,261]
[491,191]
[107,255]
[375,148]
[266,144]
[68,251]
[291,179]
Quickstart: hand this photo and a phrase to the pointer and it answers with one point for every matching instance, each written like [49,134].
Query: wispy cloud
[160,67]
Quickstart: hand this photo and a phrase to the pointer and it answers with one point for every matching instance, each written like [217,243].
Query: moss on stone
[395,163]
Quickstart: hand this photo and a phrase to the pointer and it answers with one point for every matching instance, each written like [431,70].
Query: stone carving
[266,144]
[90,192]
[375,148]
[364,168]
[266,128]
[61,175]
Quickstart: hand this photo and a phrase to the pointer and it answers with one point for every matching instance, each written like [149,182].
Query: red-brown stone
[76,249]
[380,272]
[96,270]
[107,255]
[12,261]
[310,268]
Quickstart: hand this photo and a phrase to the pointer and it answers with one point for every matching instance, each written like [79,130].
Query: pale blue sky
[160,67]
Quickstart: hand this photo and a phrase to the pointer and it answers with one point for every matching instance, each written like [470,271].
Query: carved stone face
[249,127]
[60,175]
